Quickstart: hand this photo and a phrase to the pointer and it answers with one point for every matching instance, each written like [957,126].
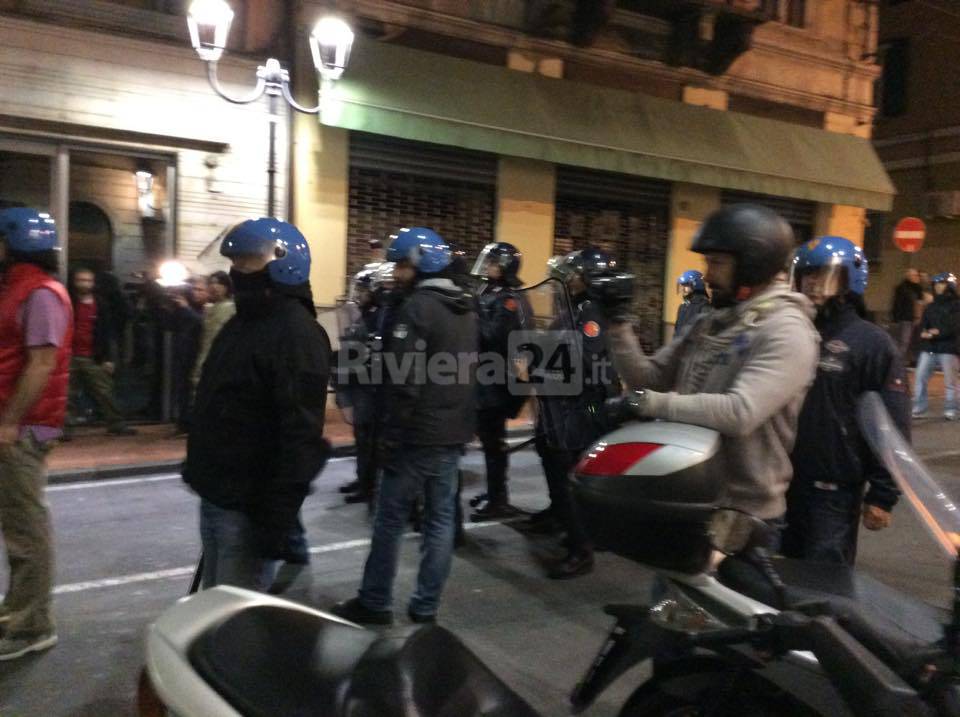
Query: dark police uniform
[831,461]
[689,310]
[501,311]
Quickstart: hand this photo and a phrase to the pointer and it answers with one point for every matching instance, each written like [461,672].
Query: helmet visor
[485,258]
[819,283]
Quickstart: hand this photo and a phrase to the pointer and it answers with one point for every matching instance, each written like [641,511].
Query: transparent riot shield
[352,354]
[936,510]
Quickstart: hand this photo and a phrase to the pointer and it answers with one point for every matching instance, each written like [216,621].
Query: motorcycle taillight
[606,459]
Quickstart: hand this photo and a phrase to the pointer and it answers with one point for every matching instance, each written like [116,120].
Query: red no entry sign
[909,233]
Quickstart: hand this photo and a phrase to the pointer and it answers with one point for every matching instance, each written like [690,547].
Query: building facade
[547,123]
[917,135]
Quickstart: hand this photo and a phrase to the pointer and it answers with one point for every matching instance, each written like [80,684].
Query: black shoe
[542,523]
[576,563]
[421,619]
[352,498]
[286,576]
[123,430]
[351,487]
[494,510]
[354,611]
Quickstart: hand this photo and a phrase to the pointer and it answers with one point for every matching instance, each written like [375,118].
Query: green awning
[396,91]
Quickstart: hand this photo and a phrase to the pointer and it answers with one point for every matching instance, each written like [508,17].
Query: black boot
[578,562]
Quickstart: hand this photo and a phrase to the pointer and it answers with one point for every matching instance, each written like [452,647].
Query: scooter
[733,630]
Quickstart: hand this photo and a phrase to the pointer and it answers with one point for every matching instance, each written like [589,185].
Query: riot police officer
[695,300]
[357,390]
[501,311]
[832,464]
[566,425]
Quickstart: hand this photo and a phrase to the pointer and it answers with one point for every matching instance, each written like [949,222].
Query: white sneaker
[950,415]
[919,414]
[13,647]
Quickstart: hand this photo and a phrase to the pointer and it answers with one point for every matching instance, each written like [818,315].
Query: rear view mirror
[732,531]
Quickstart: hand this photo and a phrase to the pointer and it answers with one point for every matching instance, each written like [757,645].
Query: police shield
[938,513]
[546,353]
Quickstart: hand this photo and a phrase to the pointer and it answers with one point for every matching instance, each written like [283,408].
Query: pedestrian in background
[836,477]
[184,317]
[695,300]
[36,336]
[215,316]
[939,333]
[94,350]
[429,419]
[906,311]
[256,442]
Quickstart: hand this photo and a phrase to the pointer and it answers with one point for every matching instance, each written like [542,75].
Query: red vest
[20,281]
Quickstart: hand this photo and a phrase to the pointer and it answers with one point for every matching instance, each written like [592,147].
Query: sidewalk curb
[144,469]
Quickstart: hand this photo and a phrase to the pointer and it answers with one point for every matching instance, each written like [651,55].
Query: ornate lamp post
[330,42]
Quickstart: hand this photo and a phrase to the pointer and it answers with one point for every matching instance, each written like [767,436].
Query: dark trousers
[492,432]
[366,435]
[557,467]
[822,525]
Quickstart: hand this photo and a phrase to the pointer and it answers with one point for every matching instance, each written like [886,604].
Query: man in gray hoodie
[743,369]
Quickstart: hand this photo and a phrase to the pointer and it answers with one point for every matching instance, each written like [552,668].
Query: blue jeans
[927,363]
[823,525]
[407,471]
[230,554]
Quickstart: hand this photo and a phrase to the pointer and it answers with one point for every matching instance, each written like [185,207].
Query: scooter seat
[428,673]
[271,661]
[901,630]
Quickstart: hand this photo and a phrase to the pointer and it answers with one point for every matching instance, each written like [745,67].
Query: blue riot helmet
[948,278]
[839,256]
[28,231]
[278,241]
[693,279]
[422,247]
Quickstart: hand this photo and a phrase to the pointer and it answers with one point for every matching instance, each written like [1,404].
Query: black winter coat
[434,331]
[905,298]
[943,314]
[855,356]
[502,310]
[690,310]
[256,440]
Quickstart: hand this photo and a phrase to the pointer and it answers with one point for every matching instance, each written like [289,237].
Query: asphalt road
[126,550]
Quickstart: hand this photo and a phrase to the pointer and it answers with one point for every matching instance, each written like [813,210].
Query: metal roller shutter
[395,183]
[628,216]
[800,214]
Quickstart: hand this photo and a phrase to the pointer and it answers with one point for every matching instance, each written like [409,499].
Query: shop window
[891,94]
[91,237]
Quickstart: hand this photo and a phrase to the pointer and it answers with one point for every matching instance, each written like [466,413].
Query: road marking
[186,570]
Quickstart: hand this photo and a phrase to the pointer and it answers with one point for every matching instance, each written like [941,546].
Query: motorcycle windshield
[936,510]
[210,258]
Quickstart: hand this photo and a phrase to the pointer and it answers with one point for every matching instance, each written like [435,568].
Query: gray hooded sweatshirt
[743,371]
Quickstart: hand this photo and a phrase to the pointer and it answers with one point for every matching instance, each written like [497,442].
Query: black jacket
[943,314]
[905,298]
[501,310]
[434,327]
[256,440]
[855,356]
[573,422]
[689,311]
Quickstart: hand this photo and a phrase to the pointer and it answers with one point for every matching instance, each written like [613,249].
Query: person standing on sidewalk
[256,441]
[939,345]
[36,335]
[906,311]
[430,416]
[94,344]
[216,315]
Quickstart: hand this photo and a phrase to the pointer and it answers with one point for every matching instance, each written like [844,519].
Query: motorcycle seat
[271,661]
[901,630]
[428,673]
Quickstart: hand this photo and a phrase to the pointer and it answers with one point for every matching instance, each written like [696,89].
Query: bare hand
[934,332]
[875,518]
[108,367]
[180,301]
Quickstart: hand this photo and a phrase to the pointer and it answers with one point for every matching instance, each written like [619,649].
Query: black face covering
[252,292]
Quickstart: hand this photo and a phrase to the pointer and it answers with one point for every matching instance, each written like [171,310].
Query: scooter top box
[647,490]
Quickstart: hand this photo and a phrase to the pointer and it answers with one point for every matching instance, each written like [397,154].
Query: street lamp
[330,42]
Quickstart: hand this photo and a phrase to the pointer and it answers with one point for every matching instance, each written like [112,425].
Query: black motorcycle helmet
[504,255]
[759,238]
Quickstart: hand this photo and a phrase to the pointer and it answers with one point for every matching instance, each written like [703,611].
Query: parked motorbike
[732,630]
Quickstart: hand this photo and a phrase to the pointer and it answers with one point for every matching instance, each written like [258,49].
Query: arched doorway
[91,237]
